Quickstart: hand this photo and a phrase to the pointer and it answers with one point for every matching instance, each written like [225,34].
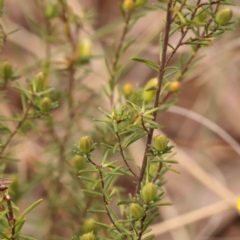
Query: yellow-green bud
[89,225]
[85,144]
[139,3]
[78,162]
[46,104]
[174,86]
[127,89]
[149,192]
[128,5]
[39,82]
[51,11]
[88,236]
[6,70]
[202,16]
[136,210]
[224,16]
[84,51]
[160,142]
[149,96]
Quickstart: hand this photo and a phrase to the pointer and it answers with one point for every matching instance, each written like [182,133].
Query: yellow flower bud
[84,51]
[46,104]
[174,86]
[136,210]
[149,192]
[88,236]
[160,143]
[85,144]
[127,89]
[149,96]
[224,16]
[128,5]
[89,225]
[39,82]
[6,71]
[202,16]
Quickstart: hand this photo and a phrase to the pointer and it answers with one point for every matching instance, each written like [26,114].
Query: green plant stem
[156,101]
[24,117]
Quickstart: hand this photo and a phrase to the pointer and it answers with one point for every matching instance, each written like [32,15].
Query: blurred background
[204,125]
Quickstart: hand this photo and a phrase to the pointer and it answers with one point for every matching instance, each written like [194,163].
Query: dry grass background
[205,194]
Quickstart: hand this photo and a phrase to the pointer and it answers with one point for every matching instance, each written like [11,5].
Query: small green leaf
[32,207]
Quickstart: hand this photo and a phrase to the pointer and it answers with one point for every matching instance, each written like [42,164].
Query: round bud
[84,51]
[89,225]
[149,192]
[202,16]
[39,80]
[85,144]
[140,3]
[160,142]
[136,210]
[88,236]
[127,89]
[51,11]
[174,86]
[6,71]
[78,162]
[149,96]
[128,5]
[45,104]
[224,16]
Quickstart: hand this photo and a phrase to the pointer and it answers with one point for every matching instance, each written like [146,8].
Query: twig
[156,102]
[16,129]
[123,156]
[117,55]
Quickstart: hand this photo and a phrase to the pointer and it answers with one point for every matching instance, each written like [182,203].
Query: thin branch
[117,54]
[123,156]
[156,102]
[16,129]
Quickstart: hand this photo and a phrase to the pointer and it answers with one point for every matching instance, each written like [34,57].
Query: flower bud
[140,3]
[174,86]
[127,89]
[85,144]
[84,51]
[51,11]
[136,210]
[149,192]
[202,16]
[128,5]
[39,80]
[89,225]
[149,96]
[6,71]
[88,236]
[160,143]
[78,162]
[224,16]
[45,104]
